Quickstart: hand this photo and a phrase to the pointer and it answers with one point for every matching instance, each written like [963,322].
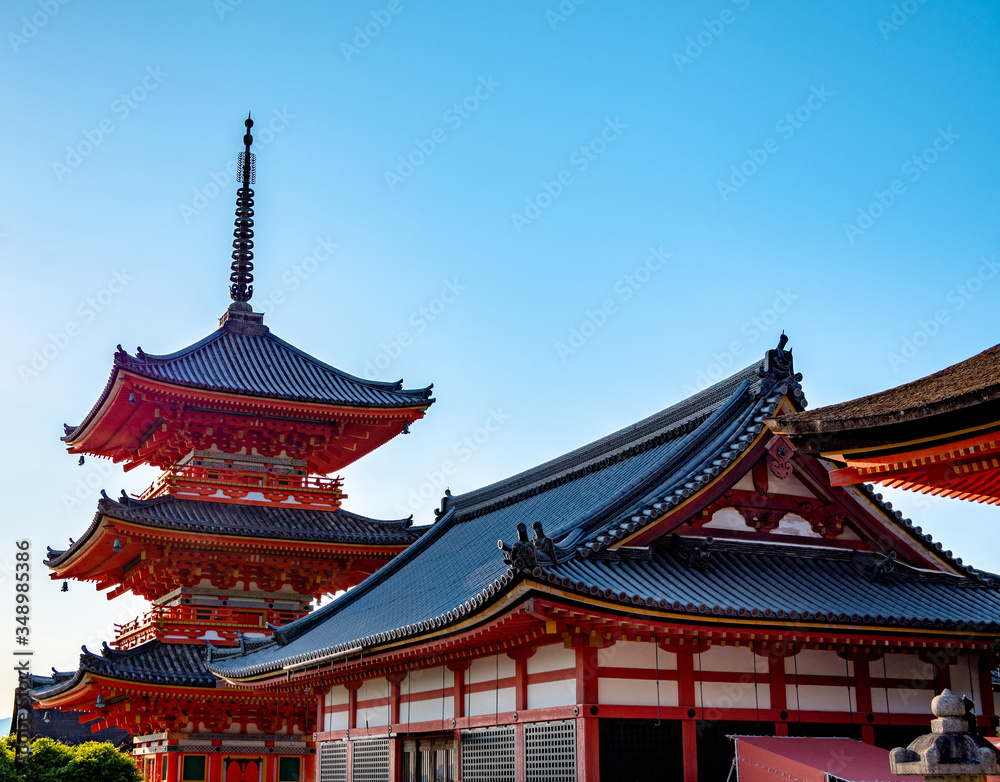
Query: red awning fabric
[790,759]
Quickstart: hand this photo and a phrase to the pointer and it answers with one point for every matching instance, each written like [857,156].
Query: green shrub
[97,761]
[92,761]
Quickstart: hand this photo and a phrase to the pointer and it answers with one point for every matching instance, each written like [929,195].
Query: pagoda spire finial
[241,278]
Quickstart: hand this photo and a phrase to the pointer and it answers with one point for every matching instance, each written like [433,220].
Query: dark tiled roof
[784,582]
[152,663]
[248,359]
[255,521]
[577,497]
[587,501]
[970,382]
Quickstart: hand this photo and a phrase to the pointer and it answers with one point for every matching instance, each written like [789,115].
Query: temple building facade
[240,534]
[718,568]
[616,613]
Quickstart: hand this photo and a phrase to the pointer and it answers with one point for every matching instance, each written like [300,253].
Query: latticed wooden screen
[488,755]
[333,761]
[370,760]
[550,751]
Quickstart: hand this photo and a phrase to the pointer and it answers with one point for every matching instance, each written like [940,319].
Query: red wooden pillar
[987,709]
[778,692]
[395,741]
[458,707]
[321,712]
[173,766]
[520,705]
[352,703]
[863,692]
[588,758]
[685,699]
[586,675]
[458,687]
[214,765]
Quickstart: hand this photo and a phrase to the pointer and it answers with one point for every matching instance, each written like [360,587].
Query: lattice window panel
[550,751]
[488,755]
[370,760]
[333,761]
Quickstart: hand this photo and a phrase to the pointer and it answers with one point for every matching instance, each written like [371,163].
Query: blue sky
[566,217]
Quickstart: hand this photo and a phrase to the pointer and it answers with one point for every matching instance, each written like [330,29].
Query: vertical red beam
[394,694]
[588,749]
[458,687]
[214,770]
[987,709]
[395,741]
[352,704]
[778,692]
[685,698]
[173,766]
[863,693]
[588,757]
[586,675]
[321,711]
[521,684]
[520,758]
[395,759]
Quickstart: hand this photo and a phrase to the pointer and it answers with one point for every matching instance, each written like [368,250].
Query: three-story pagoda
[240,534]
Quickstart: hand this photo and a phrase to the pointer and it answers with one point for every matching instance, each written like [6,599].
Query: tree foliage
[92,761]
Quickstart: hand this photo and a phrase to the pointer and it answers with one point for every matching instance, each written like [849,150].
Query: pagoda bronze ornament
[241,289]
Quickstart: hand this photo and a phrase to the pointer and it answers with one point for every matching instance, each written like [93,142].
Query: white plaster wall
[731,695]
[481,703]
[812,697]
[485,669]
[903,666]
[903,701]
[819,662]
[635,692]
[727,518]
[737,659]
[631,654]
[336,721]
[337,696]
[372,689]
[554,657]
[428,710]
[426,679]
[790,485]
[545,695]
[792,524]
[965,677]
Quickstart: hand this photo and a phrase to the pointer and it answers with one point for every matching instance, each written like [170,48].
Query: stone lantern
[949,753]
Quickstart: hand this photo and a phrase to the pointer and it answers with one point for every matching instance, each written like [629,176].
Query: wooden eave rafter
[154,397]
[93,561]
[534,614]
[129,703]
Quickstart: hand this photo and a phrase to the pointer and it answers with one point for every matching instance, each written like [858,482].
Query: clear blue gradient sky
[566,217]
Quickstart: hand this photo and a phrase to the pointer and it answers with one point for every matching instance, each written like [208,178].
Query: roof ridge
[123,358]
[598,454]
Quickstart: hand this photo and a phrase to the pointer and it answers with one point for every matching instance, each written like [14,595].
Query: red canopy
[760,758]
